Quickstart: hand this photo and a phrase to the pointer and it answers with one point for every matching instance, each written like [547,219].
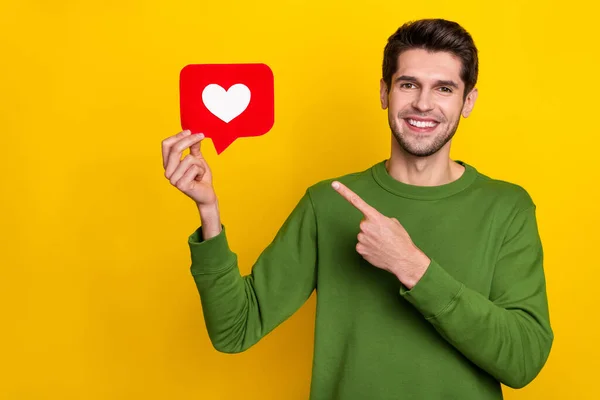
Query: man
[429,274]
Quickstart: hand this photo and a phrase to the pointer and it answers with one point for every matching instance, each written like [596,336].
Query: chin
[421,153]
[426,146]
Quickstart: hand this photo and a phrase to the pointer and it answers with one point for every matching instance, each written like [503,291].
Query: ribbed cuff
[212,255]
[434,293]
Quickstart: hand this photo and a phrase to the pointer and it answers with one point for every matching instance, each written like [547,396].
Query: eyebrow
[437,83]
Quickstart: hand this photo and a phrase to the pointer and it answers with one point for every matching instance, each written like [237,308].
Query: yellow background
[96,295]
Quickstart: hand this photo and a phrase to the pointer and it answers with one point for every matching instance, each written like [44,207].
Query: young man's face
[425,101]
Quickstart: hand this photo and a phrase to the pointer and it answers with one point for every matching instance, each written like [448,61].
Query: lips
[421,125]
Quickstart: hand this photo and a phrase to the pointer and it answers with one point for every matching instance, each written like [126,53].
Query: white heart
[226,105]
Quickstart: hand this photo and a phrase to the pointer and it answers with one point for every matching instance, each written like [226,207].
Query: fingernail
[335,185]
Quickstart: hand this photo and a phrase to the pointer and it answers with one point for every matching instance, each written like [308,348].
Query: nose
[422,101]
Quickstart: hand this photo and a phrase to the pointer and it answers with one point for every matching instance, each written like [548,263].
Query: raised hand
[191,175]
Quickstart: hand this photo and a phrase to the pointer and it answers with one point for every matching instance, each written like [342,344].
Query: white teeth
[422,124]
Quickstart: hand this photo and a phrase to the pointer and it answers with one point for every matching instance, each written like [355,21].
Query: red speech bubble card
[226,101]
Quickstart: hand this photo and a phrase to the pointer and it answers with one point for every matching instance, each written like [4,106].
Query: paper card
[227,101]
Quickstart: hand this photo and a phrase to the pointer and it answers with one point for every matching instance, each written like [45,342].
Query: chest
[463,238]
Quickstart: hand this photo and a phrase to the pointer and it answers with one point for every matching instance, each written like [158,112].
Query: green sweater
[478,317]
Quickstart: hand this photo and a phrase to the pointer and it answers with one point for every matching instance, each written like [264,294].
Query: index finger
[354,199]
[168,142]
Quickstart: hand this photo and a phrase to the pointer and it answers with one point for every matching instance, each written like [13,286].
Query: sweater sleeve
[240,310]
[509,334]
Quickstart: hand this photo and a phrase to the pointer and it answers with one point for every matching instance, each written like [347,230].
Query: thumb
[195,148]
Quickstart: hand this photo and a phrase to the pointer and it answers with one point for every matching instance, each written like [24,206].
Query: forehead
[425,65]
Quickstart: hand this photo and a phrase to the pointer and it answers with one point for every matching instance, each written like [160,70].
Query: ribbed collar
[383,178]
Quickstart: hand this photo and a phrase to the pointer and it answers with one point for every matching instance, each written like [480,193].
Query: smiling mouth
[421,124]
[426,125]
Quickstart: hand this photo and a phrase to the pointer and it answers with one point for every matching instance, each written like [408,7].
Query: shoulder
[509,194]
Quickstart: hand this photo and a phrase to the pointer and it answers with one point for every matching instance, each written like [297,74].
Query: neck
[435,170]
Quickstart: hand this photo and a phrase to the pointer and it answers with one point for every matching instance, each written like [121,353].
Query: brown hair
[433,35]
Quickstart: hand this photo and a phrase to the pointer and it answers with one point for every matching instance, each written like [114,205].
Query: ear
[469,102]
[383,94]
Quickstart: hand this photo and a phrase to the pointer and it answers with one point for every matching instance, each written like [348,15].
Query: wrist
[210,220]
[208,210]
[415,270]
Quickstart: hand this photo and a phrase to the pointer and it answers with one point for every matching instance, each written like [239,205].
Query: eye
[446,89]
[407,85]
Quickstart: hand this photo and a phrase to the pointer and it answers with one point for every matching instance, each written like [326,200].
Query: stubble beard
[421,145]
